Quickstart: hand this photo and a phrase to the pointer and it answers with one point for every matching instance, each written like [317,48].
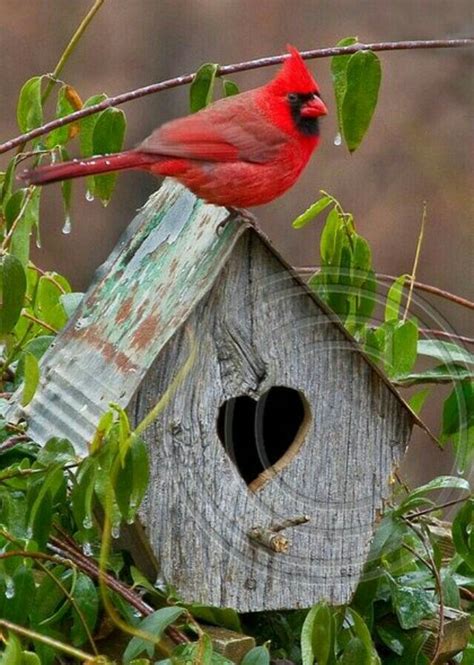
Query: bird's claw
[240,214]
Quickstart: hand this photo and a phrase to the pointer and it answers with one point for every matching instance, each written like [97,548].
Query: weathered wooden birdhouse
[274,454]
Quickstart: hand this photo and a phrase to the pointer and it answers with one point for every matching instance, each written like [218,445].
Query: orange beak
[313,108]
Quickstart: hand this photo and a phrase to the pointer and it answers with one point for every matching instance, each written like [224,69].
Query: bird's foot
[240,214]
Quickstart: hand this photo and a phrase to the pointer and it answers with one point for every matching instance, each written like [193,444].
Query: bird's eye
[292,97]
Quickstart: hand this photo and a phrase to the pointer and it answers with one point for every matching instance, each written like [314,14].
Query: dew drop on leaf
[10,589]
[67,225]
[115,531]
[89,196]
[87,522]
[87,548]
[338,139]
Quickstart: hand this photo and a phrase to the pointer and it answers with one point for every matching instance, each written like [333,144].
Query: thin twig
[420,286]
[415,263]
[224,71]
[33,318]
[55,644]
[440,506]
[71,46]
[427,332]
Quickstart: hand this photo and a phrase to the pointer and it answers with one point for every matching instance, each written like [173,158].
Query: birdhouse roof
[167,260]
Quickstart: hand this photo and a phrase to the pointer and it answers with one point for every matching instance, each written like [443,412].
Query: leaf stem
[225,70]
[415,263]
[70,47]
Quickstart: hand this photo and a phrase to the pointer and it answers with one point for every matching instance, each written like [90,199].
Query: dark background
[420,145]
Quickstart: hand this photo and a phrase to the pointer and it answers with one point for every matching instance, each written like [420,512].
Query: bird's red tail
[77,168]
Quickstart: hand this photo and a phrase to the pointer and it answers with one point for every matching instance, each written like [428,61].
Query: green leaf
[257,656]
[82,495]
[439,374]
[401,350]
[339,78]
[224,617]
[12,654]
[360,99]
[64,107]
[411,605]
[354,653]
[439,483]
[451,595]
[154,625]
[447,352]
[31,378]
[66,193]
[317,638]
[458,409]
[230,88]
[394,298]
[29,112]
[18,606]
[41,496]
[20,242]
[417,400]
[56,451]
[48,306]
[330,241]
[12,292]
[88,124]
[85,595]
[132,480]
[71,301]
[361,631]
[108,137]
[463,532]
[313,210]
[202,87]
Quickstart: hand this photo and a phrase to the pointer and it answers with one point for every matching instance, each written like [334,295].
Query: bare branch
[224,71]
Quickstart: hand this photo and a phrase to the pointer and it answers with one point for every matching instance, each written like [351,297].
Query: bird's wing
[229,130]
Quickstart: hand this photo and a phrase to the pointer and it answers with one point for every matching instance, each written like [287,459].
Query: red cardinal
[240,151]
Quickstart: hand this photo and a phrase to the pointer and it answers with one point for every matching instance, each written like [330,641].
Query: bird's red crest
[294,76]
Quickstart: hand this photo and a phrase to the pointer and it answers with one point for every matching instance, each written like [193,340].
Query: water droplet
[67,225]
[10,589]
[160,584]
[87,522]
[338,139]
[38,241]
[89,196]
[115,531]
[87,548]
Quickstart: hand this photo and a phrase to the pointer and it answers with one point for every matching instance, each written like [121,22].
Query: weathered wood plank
[166,261]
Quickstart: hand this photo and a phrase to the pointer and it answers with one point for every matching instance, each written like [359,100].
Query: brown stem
[427,332]
[224,71]
[420,286]
[67,547]
[440,506]
[12,441]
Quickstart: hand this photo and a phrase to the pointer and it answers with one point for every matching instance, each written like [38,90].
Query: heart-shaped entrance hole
[262,437]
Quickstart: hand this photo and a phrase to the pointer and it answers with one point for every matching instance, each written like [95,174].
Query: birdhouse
[273,456]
